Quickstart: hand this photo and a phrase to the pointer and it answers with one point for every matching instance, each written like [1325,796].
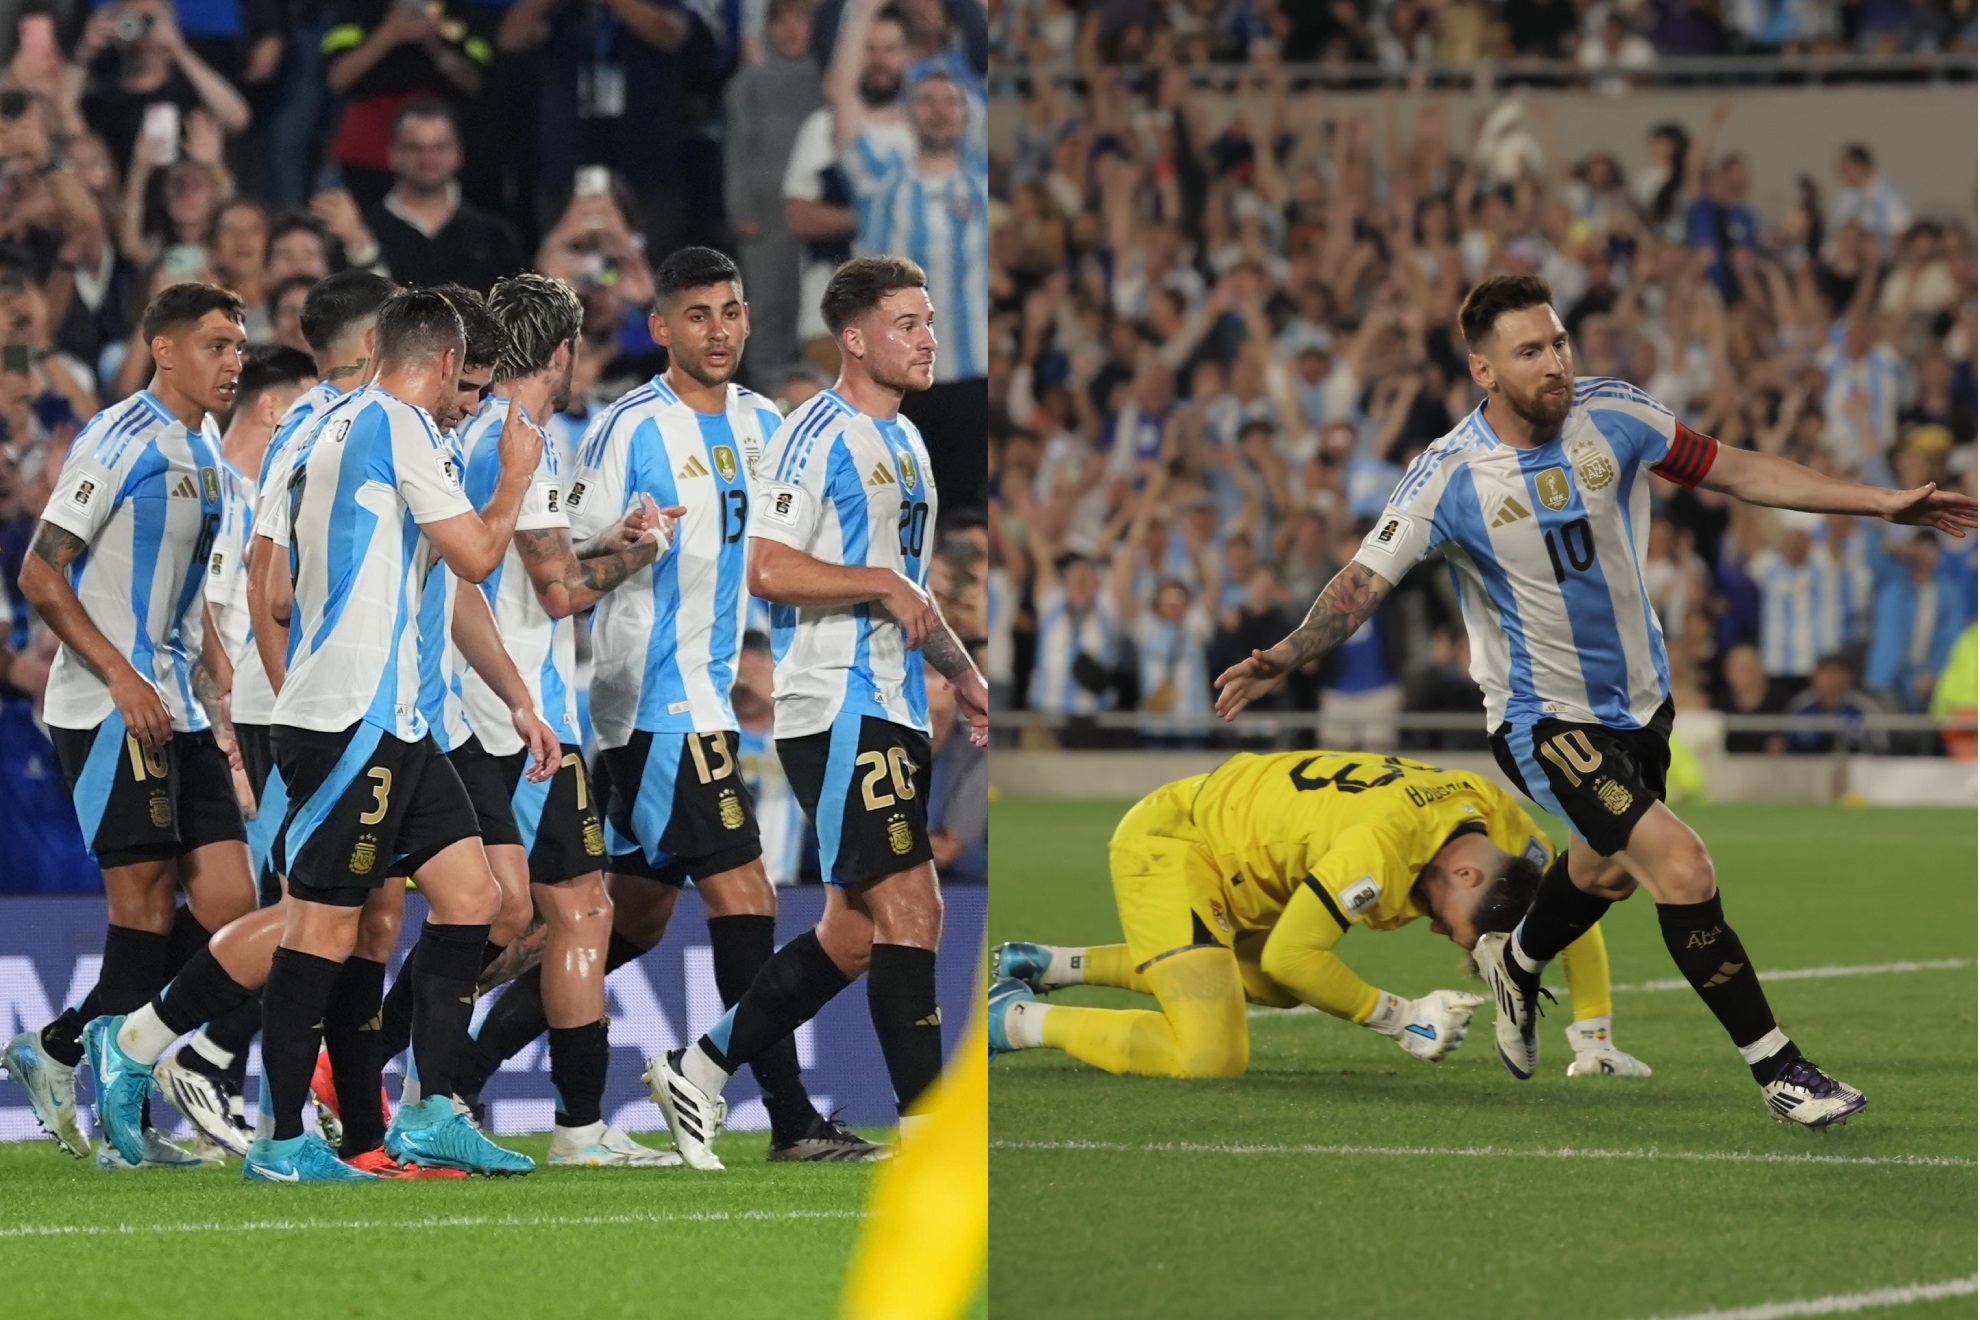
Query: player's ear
[657,328]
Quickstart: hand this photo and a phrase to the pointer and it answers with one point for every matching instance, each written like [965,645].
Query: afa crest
[365,855]
[1554,489]
[909,474]
[209,481]
[725,462]
[900,835]
[594,837]
[731,810]
[161,811]
[1592,466]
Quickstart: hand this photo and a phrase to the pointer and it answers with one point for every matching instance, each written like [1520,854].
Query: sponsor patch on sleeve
[1390,532]
[779,506]
[1536,852]
[450,472]
[1361,896]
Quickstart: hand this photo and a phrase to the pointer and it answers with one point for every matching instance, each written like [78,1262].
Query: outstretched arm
[45,584]
[1780,483]
[1344,605]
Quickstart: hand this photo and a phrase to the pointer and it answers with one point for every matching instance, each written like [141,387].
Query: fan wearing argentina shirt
[1540,505]
[370,795]
[115,571]
[845,515]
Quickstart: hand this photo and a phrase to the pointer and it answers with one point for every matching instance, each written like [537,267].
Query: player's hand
[1433,1026]
[909,606]
[540,740]
[142,708]
[520,447]
[1249,680]
[973,700]
[1946,511]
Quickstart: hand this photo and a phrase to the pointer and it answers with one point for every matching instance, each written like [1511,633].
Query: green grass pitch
[1123,1227]
[759,1240]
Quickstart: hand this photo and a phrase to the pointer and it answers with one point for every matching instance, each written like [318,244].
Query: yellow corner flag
[928,1217]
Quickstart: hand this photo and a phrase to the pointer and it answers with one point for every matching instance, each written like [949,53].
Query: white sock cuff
[1024,1024]
[1518,954]
[703,1071]
[1766,1047]
[204,1047]
[144,1037]
[1067,967]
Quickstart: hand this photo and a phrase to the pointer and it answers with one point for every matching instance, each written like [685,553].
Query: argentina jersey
[853,490]
[373,468]
[226,573]
[544,649]
[1546,546]
[664,644]
[942,223]
[144,493]
[440,664]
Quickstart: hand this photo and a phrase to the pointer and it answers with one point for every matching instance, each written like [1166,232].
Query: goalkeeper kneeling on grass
[1235,886]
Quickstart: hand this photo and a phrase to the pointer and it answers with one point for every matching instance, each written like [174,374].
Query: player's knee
[1612,881]
[378,935]
[1214,1054]
[509,914]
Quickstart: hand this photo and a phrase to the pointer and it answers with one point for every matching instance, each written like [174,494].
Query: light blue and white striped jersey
[780,820]
[1856,582]
[544,649]
[226,572]
[664,643]
[1546,546]
[144,493]
[1064,634]
[1173,664]
[1800,611]
[942,223]
[440,664]
[848,489]
[254,697]
[372,469]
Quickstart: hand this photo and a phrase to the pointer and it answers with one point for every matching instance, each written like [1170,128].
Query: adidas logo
[1511,512]
[880,476]
[932,1020]
[1726,972]
[694,467]
[186,488]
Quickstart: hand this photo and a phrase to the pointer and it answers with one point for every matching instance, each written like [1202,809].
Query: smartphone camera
[131,26]
[14,104]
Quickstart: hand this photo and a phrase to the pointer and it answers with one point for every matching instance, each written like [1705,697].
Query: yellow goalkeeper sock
[1111,965]
[1587,964]
[1200,1032]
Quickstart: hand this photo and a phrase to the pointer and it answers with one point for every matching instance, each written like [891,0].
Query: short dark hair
[1859,153]
[290,221]
[691,268]
[270,366]
[779,8]
[535,313]
[426,107]
[483,336]
[338,302]
[416,325]
[1507,895]
[860,284]
[1492,298]
[180,305]
[287,285]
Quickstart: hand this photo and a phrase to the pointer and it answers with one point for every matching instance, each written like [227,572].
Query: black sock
[395,1019]
[62,1038]
[514,1020]
[445,964]
[578,1059]
[200,993]
[1711,957]
[133,969]
[292,1008]
[350,1030]
[188,937]
[1560,915]
[742,946]
[900,993]
[620,951]
[790,991]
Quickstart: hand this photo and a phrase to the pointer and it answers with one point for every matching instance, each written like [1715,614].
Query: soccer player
[1538,501]
[844,518]
[115,571]
[1237,885]
[664,663]
[371,797]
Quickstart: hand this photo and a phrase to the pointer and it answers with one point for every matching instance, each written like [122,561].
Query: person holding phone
[385,55]
[137,57]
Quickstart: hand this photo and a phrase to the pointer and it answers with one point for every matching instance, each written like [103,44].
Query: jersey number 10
[1579,544]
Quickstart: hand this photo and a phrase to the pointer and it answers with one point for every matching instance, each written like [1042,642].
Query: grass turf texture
[1098,1233]
[758,1240]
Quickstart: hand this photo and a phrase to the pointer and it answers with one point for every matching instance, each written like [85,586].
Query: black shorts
[677,806]
[864,783]
[364,806]
[257,755]
[136,806]
[1598,779]
[490,781]
[558,819]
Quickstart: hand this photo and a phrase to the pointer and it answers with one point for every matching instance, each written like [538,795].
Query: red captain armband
[1690,457]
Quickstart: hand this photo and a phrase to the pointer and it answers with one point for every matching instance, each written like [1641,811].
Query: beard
[1537,410]
[560,397]
[907,379]
[877,90]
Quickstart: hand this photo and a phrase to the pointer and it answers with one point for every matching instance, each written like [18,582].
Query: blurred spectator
[1257,620]
[1078,636]
[1612,52]
[384,56]
[1831,693]
[767,104]
[1746,691]
[1957,693]
[958,791]
[1868,199]
[1722,224]
[1919,612]
[1445,686]
[1800,605]
[1171,638]
[425,231]
[137,57]
[285,300]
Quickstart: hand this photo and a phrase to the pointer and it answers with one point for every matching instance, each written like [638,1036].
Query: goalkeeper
[1235,886]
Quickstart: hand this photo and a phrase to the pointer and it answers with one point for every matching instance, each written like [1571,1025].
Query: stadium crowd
[1223,324]
[263,144]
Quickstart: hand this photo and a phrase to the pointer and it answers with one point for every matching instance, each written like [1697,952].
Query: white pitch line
[1491,1152]
[1842,1302]
[1790,974]
[438,1221]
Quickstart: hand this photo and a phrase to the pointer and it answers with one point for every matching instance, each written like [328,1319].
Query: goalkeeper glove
[1428,1028]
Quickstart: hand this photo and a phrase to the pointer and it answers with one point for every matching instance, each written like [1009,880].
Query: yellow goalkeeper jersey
[1361,825]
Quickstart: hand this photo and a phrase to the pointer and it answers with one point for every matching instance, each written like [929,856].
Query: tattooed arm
[952,662]
[45,584]
[523,953]
[566,584]
[1344,605]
